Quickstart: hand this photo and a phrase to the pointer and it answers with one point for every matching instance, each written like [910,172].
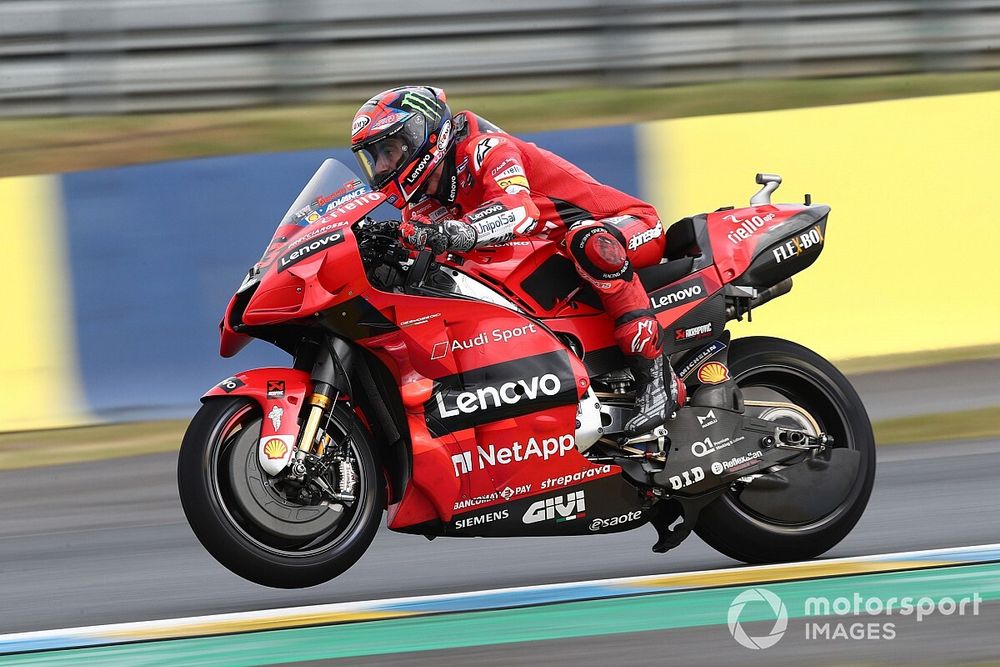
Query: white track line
[223,623]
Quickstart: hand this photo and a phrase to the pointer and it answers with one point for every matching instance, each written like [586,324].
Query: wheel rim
[255,508]
[824,407]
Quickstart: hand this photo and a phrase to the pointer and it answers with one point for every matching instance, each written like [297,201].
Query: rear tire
[811,382]
[316,547]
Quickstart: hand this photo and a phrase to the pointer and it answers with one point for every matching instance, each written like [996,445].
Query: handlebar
[379,242]
[379,228]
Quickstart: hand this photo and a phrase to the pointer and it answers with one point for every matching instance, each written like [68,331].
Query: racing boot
[659,392]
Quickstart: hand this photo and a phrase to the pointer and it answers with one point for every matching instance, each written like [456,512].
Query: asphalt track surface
[915,391]
[106,542]
[933,641]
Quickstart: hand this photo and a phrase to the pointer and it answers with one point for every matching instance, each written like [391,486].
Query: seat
[682,240]
[679,254]
[659,275]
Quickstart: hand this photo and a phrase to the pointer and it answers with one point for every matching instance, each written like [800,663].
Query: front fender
[281,393]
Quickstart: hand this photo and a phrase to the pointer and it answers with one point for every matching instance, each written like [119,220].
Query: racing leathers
[497,186]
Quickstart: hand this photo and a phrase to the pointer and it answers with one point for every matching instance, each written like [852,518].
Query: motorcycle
[484,396]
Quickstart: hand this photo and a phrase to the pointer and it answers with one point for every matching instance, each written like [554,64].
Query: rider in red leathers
[463,183]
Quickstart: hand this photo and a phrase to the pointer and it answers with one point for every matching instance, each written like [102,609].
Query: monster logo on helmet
[407,138]
[420,104]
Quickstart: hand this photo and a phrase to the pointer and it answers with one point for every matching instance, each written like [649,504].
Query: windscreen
[331,186]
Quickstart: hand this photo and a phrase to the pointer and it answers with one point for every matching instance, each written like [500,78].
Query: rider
[463,183]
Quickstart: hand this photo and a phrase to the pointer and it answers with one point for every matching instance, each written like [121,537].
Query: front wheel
[816,395]
[264,529]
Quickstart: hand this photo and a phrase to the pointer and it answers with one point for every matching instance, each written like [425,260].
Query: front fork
[318,403]
[329,382]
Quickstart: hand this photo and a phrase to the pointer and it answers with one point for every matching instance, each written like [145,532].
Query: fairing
[280,392]
[486,395]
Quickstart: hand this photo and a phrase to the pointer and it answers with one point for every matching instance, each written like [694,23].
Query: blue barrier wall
[156,251]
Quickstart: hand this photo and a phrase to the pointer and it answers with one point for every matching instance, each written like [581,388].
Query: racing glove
[438,237]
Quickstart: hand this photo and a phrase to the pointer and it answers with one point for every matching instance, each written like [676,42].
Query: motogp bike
[483,395]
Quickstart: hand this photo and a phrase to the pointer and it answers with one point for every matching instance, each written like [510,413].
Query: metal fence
[119,56]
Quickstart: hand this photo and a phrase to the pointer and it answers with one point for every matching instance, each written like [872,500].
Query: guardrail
[118,56]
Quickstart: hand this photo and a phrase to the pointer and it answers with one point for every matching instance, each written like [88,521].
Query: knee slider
[599,253]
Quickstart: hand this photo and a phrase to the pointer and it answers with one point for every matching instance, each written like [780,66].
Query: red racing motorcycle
[484,396]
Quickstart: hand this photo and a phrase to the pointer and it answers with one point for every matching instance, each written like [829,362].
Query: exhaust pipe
[739,308]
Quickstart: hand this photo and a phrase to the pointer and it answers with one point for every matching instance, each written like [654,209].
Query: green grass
[965,425]
[893,362]
[51,145]
[88,443]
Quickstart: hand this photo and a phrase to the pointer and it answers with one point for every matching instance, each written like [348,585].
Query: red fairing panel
[280,393]
[736,234]
[314,270]
[490,399]
[231,342]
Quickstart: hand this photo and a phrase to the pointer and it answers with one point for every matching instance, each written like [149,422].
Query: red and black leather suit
[502,186]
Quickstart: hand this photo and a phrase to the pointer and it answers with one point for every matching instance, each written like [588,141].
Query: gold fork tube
[318,403]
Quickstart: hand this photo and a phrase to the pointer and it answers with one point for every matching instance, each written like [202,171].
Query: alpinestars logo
[561,508]
[482,148]
[645,237]
[501,391]
[644,333]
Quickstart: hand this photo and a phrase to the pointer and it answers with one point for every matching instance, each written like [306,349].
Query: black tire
[210,460]
[813,383]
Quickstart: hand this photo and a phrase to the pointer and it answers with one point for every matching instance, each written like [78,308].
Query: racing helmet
[399,137]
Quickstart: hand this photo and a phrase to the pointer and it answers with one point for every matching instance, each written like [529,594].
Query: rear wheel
[816,395]
[261,528]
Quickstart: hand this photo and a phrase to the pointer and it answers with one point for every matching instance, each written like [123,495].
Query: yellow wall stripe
[37,350]
[911,261]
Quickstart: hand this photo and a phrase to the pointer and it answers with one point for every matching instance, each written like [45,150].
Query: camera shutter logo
[757,595]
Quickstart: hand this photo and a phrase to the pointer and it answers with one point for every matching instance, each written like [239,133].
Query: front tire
[243,521]
[773,368]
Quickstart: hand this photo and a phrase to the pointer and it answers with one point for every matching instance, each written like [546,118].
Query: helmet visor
[384,157]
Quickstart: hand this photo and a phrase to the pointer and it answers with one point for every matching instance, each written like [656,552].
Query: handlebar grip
[763,179]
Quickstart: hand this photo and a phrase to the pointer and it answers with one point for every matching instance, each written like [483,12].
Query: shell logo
[713,373]
[275,449]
